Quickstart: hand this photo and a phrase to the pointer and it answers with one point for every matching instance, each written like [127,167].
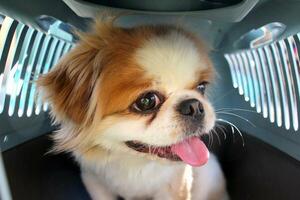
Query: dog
[132,108]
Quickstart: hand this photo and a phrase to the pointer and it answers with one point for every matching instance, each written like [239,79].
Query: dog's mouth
[192,150]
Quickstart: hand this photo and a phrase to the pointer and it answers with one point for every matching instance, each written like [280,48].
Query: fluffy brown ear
[70,86]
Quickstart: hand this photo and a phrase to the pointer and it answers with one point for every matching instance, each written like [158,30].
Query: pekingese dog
[132,108]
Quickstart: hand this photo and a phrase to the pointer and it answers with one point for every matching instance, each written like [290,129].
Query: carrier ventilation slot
[25,53]
[269,78]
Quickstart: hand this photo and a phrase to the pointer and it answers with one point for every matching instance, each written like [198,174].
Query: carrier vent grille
[25,53]
[269,78]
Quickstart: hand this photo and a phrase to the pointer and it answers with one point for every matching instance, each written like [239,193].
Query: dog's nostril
[191,107]
[200,107]
[191,110]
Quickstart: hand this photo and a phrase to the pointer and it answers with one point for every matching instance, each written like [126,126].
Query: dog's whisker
[212,139]
[154,149]
[209,139]
[221,128]
[236,109]
[208,134]
[233,125]
[238,116]
[214,131]
[150,149]
[232,131]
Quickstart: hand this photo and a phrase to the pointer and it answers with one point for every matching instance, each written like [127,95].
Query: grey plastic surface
[286,12]
[29,11]
[233,13]
[283,11]
[23,57]
[225,96]
[15,130]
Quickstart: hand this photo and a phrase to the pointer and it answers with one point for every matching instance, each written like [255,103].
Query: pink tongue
[191,151]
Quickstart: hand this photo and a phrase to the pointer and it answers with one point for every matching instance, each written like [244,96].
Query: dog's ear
[70,87]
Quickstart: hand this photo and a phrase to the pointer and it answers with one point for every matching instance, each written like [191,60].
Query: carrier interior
[254,46]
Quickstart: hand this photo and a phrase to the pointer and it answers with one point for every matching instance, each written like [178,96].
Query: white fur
[134,178]
[172,59]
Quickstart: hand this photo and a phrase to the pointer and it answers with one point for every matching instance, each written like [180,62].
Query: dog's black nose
[192,108]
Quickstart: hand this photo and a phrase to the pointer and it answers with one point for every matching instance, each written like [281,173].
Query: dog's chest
[136,181]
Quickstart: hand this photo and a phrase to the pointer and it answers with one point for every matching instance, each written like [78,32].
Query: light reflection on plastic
[273,71]
[265,69]
[30,53]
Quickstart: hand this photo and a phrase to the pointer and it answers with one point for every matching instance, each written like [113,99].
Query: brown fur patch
[70,84]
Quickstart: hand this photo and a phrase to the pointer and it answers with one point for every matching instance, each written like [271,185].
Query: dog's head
[140,91]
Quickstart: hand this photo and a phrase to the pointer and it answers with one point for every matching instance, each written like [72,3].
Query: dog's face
[138,91]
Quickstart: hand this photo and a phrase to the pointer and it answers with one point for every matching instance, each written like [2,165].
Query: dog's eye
[147,102]
[202,87]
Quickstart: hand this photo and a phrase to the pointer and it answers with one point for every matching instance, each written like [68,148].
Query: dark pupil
[147,102]
[201,88]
